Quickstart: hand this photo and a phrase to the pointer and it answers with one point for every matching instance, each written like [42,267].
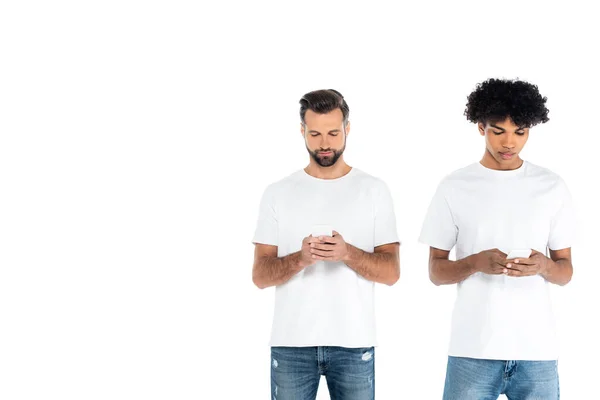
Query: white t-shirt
[326,304]
[475,209]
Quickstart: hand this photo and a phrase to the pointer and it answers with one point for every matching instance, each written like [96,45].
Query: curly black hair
[496,99]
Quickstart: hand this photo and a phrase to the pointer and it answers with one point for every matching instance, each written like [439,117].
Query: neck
[339,169]
[490,162]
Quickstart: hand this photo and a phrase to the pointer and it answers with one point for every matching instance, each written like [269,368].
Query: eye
[314,134]
[520,133]
[497,133]
[333,134]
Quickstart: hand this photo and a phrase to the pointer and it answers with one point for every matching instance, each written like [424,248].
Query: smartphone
[518,253]
[321,230]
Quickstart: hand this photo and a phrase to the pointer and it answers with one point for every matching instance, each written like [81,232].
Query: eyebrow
[332,131]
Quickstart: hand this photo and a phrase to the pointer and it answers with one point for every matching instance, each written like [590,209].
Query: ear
[481,128]
[347,128]
[302,129]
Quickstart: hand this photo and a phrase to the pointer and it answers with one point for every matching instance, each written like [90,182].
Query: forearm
[376,267]
[447,272]
[558,272]
[272,271]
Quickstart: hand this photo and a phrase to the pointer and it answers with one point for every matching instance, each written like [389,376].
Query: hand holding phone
[526,263]
[332,249]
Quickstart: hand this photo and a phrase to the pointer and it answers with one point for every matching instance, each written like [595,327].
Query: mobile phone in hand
[518,253]
[321,230]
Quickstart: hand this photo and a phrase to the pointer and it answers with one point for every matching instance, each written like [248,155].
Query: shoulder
[275,189]
[470,171]
[545,176]
[534,170]
[369,182]
[465,174]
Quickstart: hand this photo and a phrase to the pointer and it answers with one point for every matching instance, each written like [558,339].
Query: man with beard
[325,234]
[503,338]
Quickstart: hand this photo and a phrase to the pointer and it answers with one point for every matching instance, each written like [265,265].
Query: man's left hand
[536,264]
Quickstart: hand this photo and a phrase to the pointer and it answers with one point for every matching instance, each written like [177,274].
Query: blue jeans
[296,371]
[474,379]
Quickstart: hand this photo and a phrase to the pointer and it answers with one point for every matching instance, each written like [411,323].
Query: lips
[326,153]
[507,155]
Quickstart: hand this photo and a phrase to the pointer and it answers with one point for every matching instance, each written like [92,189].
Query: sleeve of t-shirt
[562,228]
[266,227]
[439,229]
[385,231]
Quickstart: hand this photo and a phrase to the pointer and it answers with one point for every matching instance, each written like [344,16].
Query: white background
[136,141]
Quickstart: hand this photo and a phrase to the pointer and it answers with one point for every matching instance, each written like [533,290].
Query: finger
[514,272]
[322,246]
[327,239]
[515,267]
[499,269]
[524,267]
[316,257]
[522,261]
[495,269]
[501,261]
[322,253]
[314,240]
[517,273]
[496,272]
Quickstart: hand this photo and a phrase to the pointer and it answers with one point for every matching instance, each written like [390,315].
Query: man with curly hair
[503,339]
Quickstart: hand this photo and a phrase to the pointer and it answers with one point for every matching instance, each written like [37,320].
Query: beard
[326,161]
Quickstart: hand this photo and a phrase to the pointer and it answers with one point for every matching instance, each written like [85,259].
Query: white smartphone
[518,253]
[321,230]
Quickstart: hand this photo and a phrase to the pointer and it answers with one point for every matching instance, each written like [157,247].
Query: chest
[509,216]
[349,212]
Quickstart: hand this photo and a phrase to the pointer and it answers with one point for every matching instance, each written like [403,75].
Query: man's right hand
[306,259]
[491,262]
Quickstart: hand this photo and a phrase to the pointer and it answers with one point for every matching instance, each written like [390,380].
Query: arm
[443,271]
[270,270]
[559,268]
[382,266]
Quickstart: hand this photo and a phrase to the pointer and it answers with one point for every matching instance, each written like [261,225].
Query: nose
[509,141]
[324,142]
